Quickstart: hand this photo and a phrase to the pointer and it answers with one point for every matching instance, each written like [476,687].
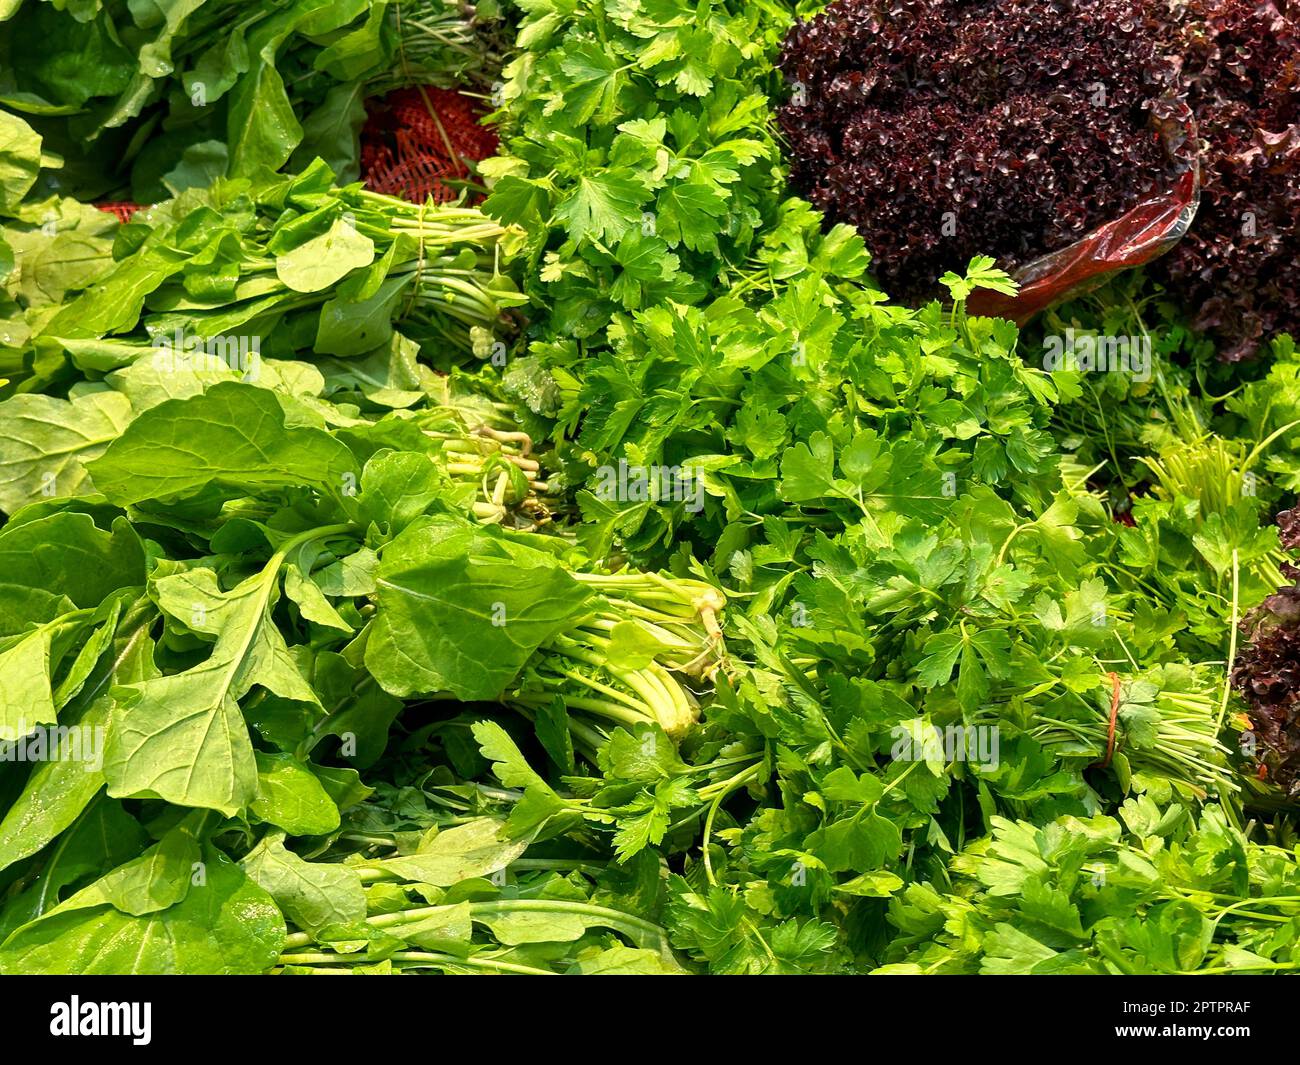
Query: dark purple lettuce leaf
[1266,672]
[1238,270]
[944,129]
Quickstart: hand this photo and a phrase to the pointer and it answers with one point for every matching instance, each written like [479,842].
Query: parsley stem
[1232,645]
[726,788]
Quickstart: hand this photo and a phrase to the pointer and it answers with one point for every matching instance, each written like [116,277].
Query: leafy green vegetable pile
[145,100]
[612,579]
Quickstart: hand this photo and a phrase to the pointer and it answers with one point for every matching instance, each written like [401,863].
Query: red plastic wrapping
[418,143]
[1144,232]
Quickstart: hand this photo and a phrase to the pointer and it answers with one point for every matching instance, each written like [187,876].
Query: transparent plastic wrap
[1144,232]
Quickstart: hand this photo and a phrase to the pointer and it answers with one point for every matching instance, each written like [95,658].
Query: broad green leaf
[624,961]
[157,879]
[326,259]
[353,327]
[47,443]
[57,791]
[101,625]
[182,737]
[388,376]
[476,848]
[311,894]
[448,929]
[146,383]
[200,165]
[290,797]
[102,837]
[224,925]
[262,129]
[113,303]
[234,436]
[396,488]
[311,601]
[353,574]
[514,927]
[360,711]
[876,885]
[20,160]
[63,559]
[26,700]
[462,610]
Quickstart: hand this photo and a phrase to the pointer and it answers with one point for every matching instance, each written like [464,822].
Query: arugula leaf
[181,737]
[479,847]
[225,925]
[20,161]
[49,444]
[311,894]
[462,610]
[235,437]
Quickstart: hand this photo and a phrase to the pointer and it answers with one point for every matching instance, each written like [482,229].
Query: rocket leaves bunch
[222,618]
[144,101]
[330,268]
[233,283]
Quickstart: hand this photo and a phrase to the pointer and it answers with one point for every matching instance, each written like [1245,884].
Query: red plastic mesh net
[122,209]
[418,143]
